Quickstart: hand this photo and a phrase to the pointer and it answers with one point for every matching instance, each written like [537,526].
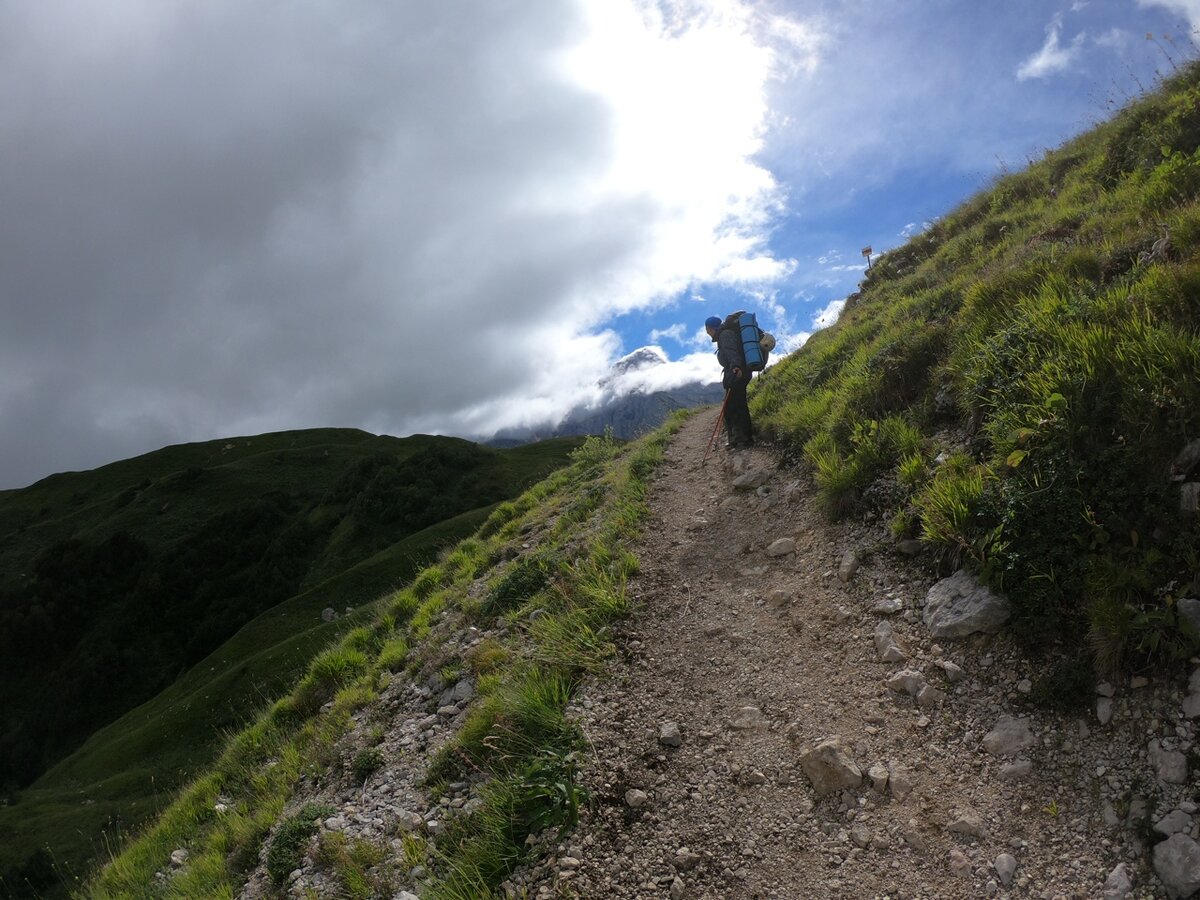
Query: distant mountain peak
[641,358]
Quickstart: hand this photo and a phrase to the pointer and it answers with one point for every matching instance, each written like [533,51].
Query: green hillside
[1015,387]
[551,565]
[152,605]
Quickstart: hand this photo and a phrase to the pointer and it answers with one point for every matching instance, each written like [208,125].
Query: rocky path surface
[783,725]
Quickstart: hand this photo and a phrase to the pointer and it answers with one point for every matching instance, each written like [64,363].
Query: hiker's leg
[738,415]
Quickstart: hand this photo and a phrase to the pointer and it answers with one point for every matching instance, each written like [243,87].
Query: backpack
[756,343]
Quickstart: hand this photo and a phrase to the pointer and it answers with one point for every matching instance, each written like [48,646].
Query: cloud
[829,314]
[913,228]
[227,218]
[676,333]
[1052,58]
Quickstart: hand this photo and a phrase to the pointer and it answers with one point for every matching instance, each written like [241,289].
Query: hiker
[736,377]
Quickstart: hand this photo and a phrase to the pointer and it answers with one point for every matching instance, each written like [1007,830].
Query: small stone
[1173,823]
[179,858]
[1189,616]
[1009,736]
[930,697]
[910,546]
[959,605]
[685,860]
[913,837]
[830,767]
[849,565]
[960,865]
[1005,866]
[887,645]
[1118,884]
[893,654]
[967,822]
[636,799]
[888,606]
[1188,459]
[1170,765]
[1191,706]
[1177,863]
[669,735]
[1104,710]
[861,836]
[747,717]
[901,781]
[781,547]
[1016,770]
[1024,686]
[906,681]
[777,599]
[751,480]
[878,774]
[954,673]
[678,888]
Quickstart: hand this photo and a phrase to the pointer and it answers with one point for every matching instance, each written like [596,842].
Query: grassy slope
[1045,334]
[125,771]
[580,520]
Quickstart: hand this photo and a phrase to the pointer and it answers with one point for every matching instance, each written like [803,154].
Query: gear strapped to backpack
[756,343]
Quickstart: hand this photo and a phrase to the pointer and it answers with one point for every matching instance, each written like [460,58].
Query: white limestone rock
[959,605]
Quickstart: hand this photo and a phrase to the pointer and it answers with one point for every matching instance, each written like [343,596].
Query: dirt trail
[753,679]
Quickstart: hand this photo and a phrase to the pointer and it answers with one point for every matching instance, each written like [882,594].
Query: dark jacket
[729,354]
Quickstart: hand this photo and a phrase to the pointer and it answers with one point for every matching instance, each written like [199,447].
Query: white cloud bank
[228,218]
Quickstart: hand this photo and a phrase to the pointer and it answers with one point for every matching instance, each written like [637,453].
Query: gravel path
[738,662]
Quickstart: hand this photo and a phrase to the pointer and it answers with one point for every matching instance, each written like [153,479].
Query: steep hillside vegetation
[1018,385]
[203,570]
[537,587]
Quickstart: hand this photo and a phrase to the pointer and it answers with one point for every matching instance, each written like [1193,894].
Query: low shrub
[290,839]
[366,763]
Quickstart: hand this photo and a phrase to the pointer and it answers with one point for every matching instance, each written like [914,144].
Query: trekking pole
[720,416]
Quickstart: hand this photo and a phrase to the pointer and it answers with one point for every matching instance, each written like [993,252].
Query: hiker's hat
[712,322]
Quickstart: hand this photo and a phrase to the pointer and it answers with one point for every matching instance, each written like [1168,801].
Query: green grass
[517,731]
[86,802]
[1047,332]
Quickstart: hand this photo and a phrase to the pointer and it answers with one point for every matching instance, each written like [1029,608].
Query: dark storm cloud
[226,216]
